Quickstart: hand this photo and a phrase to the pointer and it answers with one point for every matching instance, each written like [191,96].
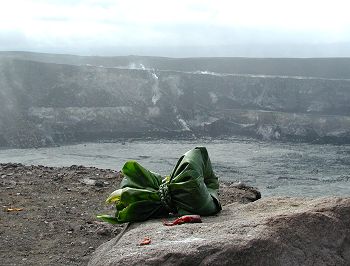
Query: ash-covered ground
[48,214]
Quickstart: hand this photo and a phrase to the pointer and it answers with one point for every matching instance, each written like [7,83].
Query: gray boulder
[271,231]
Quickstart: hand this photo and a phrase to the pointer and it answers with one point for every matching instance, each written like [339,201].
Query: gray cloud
[116,27]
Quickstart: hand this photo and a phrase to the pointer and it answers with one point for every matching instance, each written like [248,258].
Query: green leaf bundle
[192,188]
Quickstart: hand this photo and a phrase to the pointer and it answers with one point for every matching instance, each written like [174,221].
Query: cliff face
[46,103]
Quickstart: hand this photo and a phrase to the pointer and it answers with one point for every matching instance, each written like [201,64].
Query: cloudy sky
[302,28]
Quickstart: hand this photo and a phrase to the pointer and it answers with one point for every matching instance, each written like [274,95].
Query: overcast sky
[177,27]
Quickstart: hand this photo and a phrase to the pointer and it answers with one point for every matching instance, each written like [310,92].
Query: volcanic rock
[271,231]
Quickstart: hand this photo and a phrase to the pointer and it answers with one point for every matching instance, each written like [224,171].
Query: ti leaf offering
[192,188]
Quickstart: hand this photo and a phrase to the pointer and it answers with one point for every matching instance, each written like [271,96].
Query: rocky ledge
[271,231]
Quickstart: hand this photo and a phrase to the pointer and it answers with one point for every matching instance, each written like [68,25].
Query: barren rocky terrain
[48,214]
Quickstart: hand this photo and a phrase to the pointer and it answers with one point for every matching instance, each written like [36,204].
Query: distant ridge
[334,68]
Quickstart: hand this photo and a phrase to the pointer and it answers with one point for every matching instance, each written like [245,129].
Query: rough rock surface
[271,231]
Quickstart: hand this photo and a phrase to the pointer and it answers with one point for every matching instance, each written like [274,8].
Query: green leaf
[108,218]
[138,211]
[193,184]
[135,176]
